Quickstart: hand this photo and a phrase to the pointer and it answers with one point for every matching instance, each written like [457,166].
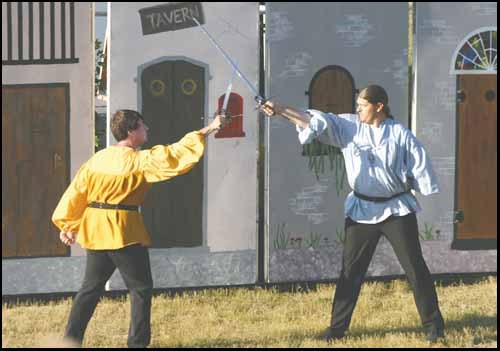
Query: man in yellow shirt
[101,206]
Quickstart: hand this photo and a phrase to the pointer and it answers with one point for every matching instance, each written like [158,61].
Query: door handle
[458,216]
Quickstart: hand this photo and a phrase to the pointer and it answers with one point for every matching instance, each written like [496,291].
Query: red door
[235,109]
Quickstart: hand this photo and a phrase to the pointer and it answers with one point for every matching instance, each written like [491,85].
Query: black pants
[133,264]
[360,243]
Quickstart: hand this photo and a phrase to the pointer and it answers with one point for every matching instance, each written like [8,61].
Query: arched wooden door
[331,90]
[173,99]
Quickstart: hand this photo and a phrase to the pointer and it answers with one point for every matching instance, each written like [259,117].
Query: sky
[100,21]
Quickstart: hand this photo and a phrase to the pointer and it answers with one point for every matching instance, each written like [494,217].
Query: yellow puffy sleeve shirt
[121,175]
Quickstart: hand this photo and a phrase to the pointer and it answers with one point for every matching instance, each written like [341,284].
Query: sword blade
[228,92]
[230,61]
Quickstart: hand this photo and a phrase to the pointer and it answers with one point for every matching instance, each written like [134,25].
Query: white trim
[455,53]
[471,71]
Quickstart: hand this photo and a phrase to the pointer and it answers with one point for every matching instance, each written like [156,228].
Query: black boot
[433,334]
[331,335]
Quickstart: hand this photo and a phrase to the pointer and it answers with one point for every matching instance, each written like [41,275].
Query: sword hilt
[260,100]
[227,118]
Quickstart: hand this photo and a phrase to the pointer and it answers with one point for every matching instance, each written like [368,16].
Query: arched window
[477,53]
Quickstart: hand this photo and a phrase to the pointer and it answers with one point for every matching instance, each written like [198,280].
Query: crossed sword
[258,98]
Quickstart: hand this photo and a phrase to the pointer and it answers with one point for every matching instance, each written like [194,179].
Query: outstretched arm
[163,162]
[215,125]
[326,127]
[297,117]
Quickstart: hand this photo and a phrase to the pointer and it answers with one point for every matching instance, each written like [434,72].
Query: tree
[99,63]
[100,131]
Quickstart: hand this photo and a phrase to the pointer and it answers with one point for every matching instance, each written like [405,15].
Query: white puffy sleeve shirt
[380,162]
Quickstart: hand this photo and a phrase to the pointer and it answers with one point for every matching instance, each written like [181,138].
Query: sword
[228,92]
[223,111]
[260,100]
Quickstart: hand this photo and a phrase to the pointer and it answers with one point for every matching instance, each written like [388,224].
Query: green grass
[385,316]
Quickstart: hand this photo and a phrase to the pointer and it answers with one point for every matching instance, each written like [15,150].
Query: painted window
[478,52]
[39,33]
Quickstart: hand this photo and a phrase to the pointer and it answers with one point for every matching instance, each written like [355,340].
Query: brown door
[332,90]
[173,103]
[477,157]
[34,168]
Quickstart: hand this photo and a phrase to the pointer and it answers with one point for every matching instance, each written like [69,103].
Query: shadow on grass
[473,322]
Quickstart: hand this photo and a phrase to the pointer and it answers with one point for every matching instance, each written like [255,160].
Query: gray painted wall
[301,39]
[228,255]
[305,215]
[440,28]
[30,275]
[370,40]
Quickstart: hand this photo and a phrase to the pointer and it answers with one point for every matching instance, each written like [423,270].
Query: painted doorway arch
[332,90]
[173,103]
[474,63]
[476,53]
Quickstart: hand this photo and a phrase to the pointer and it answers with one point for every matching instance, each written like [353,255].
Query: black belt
[377,199]
[113,206]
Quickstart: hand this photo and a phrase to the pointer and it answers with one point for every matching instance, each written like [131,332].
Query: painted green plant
[313,240]
[281,238]
[319,154]
[426,233]
[340,235]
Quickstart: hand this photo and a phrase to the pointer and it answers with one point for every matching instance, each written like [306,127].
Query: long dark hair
[375,94]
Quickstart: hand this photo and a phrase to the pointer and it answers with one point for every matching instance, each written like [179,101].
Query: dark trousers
[360,243]
[133,264]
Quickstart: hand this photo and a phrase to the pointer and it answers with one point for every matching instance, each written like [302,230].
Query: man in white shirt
[384,162]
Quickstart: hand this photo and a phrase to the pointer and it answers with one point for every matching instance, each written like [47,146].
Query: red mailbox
[235,109]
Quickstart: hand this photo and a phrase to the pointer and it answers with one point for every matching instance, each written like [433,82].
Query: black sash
[377,199]
[113,206]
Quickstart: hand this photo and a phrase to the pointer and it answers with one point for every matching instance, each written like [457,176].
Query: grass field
[385,316]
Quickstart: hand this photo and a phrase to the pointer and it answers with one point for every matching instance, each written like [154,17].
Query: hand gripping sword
[258,98]
[226,116]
